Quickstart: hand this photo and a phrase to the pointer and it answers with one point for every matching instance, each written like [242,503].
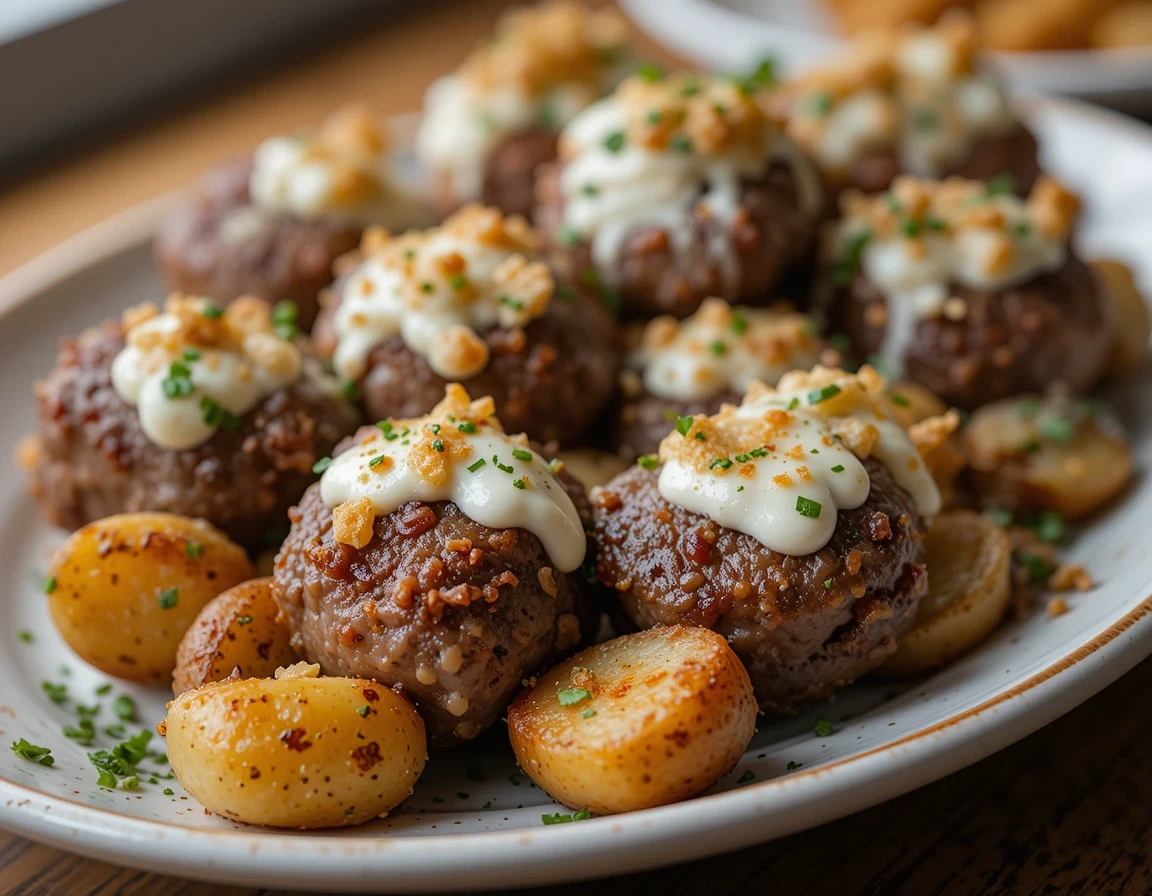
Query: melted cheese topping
[457,453]
[193,369]
[915,91]
[919,240]
[659,152]
[341,170]
[437,289]
[722,349]
[542,67]
[782,465]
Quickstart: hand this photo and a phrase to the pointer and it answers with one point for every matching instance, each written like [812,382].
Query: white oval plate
[473,822]
[730,35]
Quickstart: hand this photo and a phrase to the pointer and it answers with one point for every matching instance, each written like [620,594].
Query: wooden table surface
[1068,810]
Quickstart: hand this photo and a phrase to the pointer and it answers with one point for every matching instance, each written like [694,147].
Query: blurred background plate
[730,35]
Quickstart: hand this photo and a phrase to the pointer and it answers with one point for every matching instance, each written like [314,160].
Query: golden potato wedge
[1030,454]
[123,590]
[1130,318]
[591,467]
[969,561]
[238,631]
[639,721]
[298,751]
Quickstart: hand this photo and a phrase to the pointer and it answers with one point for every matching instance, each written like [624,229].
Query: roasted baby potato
[591,467]
[640,721]
[238,631]
[1029,454]
[297,751]
[123,590]
[1130,318]
[969,561]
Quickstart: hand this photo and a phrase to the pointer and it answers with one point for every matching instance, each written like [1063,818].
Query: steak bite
[195,410]
[489,125]
[973,292]
[908,101]
[684,368]
[468,301]
[791,524]
[441,556]
[676,188]
[273,224]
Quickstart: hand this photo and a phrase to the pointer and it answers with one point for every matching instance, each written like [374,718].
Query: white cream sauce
[235,381]
[487,494]
[610,194]
[806,477]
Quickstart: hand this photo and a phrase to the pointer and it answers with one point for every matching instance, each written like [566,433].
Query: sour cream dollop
[456,453]
[196,367]
[783,464]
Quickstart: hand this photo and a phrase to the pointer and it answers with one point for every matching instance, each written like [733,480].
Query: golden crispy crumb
[1070,577]
[352,522]
[1057,606]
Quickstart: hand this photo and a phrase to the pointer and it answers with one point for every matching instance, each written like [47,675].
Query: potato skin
[673,711]
[105,584]
[296,752]
[238,630]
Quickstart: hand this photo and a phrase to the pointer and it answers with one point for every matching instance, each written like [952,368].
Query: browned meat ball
[286,257]
[509,175]
[802,625]
[454,613]
[1014,154]
[1053,329]
[644,419]
[549,380]
[92,458]
[771,234]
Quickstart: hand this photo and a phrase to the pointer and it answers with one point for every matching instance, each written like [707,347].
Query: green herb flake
[822,727]
[466,426]
[1037,567]
[104,689]
[680,143]
[839,468]
[849,262]
[820,104]
[25,636]
[722,462]
[590,190]
[57,693]
[376,461]
[588,713]
[363,711]
[83,733]
[828,584]
[178,383]
[349,389]
[473,467]
[816,396]
[521,454]
[571,696]
[925,120]
[648,461]
[684,424]
[651,72]
[899,400]
[764,74]
[50,584]
[614,142]
[807,507]
[581,815]
[33,753]
[193,549]
[1057,428]
[321,465]
[749,775]
[457,281]
[718,348]
[168,791]
[519,483]
[555,818]
[1050,527]
[569,237]
[1001,184]
[168,598]
[284,315]
[739,323]
[212,311]
[125,708]
[1001,517]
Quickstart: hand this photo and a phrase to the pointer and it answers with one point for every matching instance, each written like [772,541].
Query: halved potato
[298,751]
[639,721]
[1130,318]
[1028,454]
[969,561]
[123,590]
[239,631]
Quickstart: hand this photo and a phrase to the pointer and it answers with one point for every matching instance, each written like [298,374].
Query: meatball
[1053,329]
[509,174]
[771,234]
[643,419]
[455,613]
[216,243]
[803,626]
[91,458]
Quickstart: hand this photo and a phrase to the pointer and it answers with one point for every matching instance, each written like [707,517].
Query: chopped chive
[839,468]
[376,461]
[50,584]
[519,483]
[807,507]
[648,461]
[321,465]
[684,424]
[614,142]
[570,696]
[212,311]
[521,454]
[899,400]
[168,598]
[739,322]
[466,426]
[823,393]
[722,462]
[363,711]
[472,468]
[193,549]
[515,304]
[438,445]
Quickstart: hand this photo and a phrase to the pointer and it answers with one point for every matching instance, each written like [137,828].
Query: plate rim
[716,823]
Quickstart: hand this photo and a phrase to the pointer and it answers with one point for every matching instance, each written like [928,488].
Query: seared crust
[93,459]
[771,234]
[802,625]
[287,257]
[436,604]
[549,380]
[1053,329]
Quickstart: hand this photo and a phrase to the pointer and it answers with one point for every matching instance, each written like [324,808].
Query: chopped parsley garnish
[438,445]
[426,286]
[590,190]
[722,462]
[1001,184]
[472,468]
[1058,428]
[823,393]
[245,620]
[910,227]
[212,311]
[839,468]
[125,708]
[193,549]
[33,753]
[820,103]
[765,72]
[519,483]
[191,354]
[807,507]
[718,348]
[178,383]
[822,727]
[587,713]
[512,303]
[755,452]
[1037,567]
[83,733]
[57,693]
[25,636]
[321,465]
[581,815]
[376,461]
[168,791]
[651,72]
[214,415]
[690,89]
[572,696]
[848,263]
[104,689]
[746,777]
[349,389]
[457,281]
[466,426]
[740,489]
[683,424]
[521,454]
[118,765]
[793,404]
[50,584]
[614,142]
[168,598]
[936,224]
[363,711]
[1050,527]
[739,322]
[1021,228]
[504,468]
[828,584]
[648,461]
[284,315]
[680,143]
[555,818]
[899,400]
